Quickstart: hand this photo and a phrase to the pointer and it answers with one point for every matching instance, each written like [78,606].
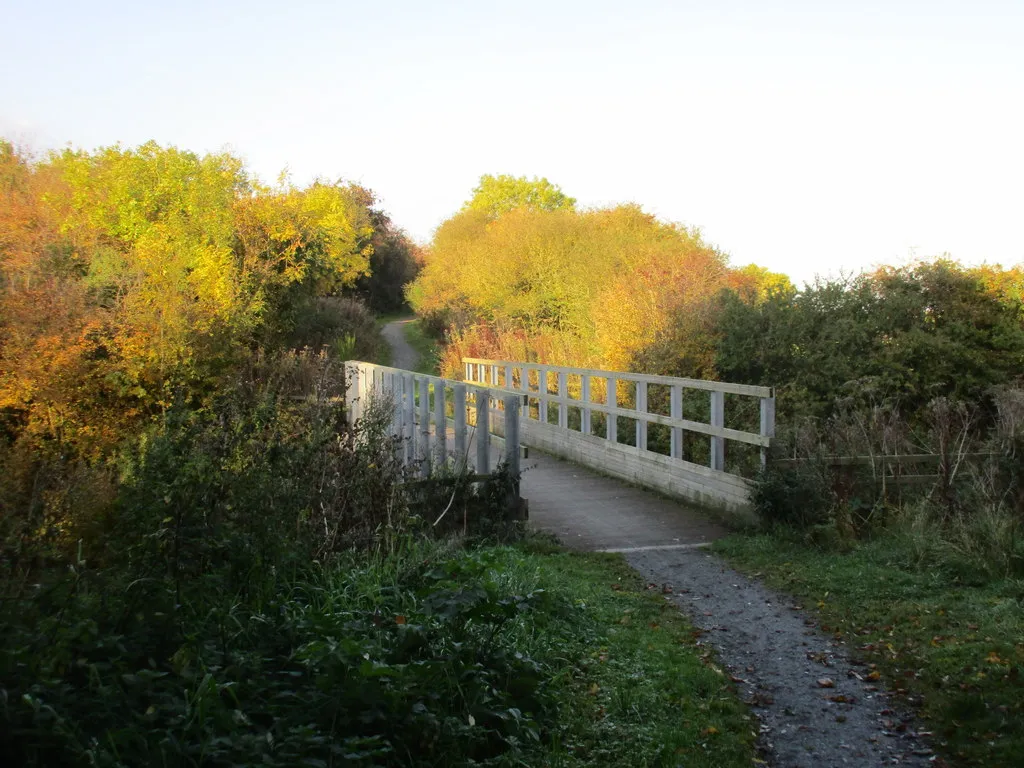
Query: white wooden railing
[598,391]
[439,420]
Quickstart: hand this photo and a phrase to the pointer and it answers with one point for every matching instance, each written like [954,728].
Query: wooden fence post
[641,422]
[718,420]
[767,423]
[676,412]
[542,387]
[351,392]
[584,409]
[409,418]
[512,450]
[483,431]
[440,424]
[563,392]
[611,422]
[461,457]
[424,453]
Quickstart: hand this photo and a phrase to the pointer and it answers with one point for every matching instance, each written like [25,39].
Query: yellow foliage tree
[604,282]
[130,276]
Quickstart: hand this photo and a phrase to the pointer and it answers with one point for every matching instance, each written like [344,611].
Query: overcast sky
[808,137]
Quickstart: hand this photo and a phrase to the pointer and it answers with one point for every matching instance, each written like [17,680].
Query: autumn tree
[597,286]
[394,261]
[497,195]
[133,279]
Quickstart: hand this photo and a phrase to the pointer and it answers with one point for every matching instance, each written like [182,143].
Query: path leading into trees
[402,353]
[815,705]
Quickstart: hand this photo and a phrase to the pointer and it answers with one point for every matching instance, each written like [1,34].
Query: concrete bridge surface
[589,511]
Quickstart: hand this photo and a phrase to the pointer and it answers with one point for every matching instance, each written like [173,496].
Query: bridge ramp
[589,511]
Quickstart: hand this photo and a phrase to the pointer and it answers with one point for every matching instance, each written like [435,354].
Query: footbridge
[693,440]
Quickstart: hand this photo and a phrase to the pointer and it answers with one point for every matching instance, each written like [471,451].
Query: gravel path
[402,354]
[816,706]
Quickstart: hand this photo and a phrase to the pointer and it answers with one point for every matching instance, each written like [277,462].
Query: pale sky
[808,137]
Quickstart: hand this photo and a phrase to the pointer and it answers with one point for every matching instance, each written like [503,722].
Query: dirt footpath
[816,707]
[402,354]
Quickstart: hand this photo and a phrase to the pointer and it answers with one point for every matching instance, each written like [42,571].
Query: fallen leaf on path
[826,682]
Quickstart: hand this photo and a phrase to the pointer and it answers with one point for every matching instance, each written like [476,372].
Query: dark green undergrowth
[430,655]
[947,636]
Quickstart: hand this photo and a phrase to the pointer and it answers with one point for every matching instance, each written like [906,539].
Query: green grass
[391,317]
[425,346]
[636,690]
[947,643]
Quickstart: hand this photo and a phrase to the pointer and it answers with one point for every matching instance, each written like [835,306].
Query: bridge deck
[589,511]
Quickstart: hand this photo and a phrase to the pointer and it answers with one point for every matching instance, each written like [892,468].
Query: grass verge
[949,646]
[425,346]
[635,691]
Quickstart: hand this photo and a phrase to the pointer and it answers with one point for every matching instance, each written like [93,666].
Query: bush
[256,595]
[368,661]
[342,326]
[798,496]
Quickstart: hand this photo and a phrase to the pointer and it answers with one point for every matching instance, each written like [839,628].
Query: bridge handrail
[749,390]
[479,370]
[413,413]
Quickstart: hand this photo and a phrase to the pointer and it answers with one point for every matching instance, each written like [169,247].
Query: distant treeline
[521,273]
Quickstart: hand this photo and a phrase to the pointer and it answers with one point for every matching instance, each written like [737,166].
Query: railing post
[542,386]
[585,409]
[718,420]
[676,412]
[563,393]
[509,380]
[767,423]
[612,421]
[483,431]
[364,390]
[424,453]
[409,417]
[641,422]
[391,390]
[512,450]
[461,457]
[351,392]
[469,372]
[440,424]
